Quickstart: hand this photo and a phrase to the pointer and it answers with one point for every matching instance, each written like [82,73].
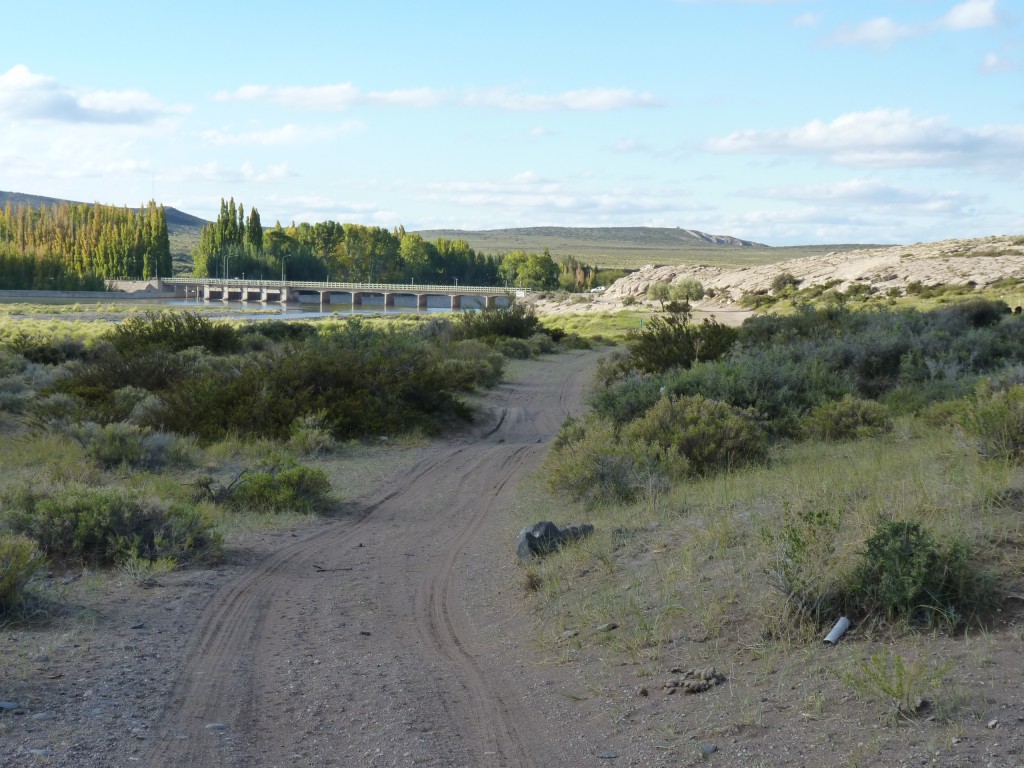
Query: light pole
[283,257]
[227,261]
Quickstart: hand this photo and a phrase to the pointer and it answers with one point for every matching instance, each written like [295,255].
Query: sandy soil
[399,634]
[372,640]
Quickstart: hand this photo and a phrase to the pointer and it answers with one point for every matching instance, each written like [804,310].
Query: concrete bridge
[294,291]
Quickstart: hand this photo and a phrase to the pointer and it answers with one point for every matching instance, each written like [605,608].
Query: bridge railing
[238,282]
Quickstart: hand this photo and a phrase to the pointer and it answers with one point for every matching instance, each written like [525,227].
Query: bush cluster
[850,418]
[20,561]
[904,573]
[292,487]
[593,461]
[104,527]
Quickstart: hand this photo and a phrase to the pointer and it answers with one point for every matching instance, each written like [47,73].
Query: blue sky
[781,121]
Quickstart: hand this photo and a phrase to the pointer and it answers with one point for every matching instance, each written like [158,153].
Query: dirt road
[372,642]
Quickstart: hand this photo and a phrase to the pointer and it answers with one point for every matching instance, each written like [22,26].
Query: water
[372,305]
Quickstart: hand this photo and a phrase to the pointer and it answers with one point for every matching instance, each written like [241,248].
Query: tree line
[78,246]
[236,244]
[68,247]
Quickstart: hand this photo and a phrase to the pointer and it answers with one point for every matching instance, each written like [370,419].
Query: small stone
[570,633]
[643,691]
[140,625]
[992,724]
[607,627]
[608,755]
[8,705]
[364,632]
[42,752]
[708,749]
[41,658]
[41,716]
[215,726]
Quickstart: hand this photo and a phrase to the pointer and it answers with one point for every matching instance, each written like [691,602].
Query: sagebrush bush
[709,435]
[850,418]
[172,332]
[104,527]
[904,573]
[291,487]
[996,419]
[516,321]
[309,437]
[515,349]
[591,465]
[114,445]
[20,561]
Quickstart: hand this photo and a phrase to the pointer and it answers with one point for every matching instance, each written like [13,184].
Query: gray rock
[542,538]
[8,705]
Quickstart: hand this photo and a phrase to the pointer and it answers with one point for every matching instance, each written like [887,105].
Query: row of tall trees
[70,246]
[235,245]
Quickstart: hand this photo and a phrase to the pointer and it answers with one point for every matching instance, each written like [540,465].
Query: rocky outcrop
[981,262]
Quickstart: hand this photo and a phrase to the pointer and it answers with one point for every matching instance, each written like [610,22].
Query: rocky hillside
[980,261]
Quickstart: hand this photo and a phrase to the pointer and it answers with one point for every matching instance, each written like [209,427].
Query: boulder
[541,538]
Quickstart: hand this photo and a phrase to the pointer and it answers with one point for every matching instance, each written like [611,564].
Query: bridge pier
[456,301]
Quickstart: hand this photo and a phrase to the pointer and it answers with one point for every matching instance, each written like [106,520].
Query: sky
[785,122]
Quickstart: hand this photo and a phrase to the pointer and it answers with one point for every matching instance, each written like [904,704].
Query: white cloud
[993,62]
[345,95]
[215,172]
[25,95]
[882,31]
[285,134]
[885,138]
[806,20]
[871,194]
[529,197]
[586,100]
[972,14]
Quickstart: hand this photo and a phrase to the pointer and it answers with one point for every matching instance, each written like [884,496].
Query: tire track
[276,660]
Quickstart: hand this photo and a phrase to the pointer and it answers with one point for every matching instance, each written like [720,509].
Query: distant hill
[632,247]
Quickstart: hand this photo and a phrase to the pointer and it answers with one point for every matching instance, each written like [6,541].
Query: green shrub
[628,301]
[671,341]
[905,574]
[541,344]
[516,321]
[574,341]
[805,543]
[104,527]
[591,465]
[784,280]
[466,365]
[996,419]
[848,419]
[20,561]
[514,349]
[291,487]
[309,436]
[686,290]
[172,332]
[114,445]
[696,435]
